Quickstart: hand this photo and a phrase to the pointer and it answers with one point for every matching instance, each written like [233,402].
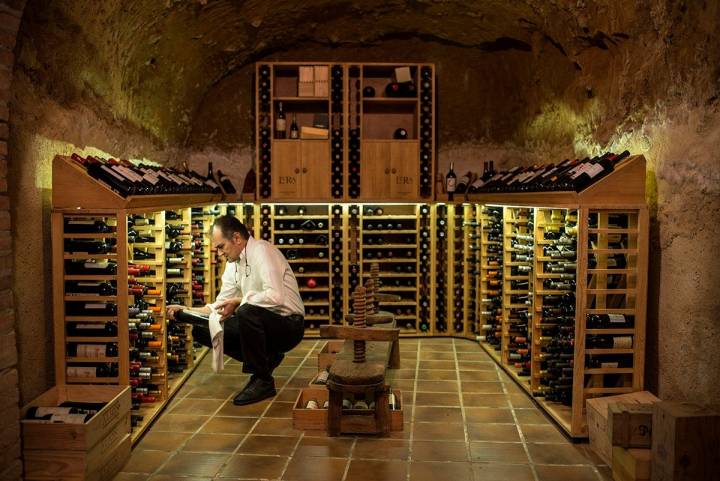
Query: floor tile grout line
[411,437]
[468,452]
[291,456]
[349,458]
[523,441]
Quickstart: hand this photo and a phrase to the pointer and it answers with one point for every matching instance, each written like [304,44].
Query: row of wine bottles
[568,175]
[126,178]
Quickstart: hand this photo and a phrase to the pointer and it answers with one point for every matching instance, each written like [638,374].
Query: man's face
[230,248]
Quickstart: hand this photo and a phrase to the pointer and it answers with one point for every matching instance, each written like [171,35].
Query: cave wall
[41,129]
[167,81]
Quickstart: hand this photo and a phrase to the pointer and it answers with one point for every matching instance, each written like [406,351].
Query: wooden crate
[630,464]
[99,464]
[630,425]
[78,437]
[685,444]
[597,419]
[317,419]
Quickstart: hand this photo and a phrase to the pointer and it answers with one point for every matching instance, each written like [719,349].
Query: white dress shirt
[262,277]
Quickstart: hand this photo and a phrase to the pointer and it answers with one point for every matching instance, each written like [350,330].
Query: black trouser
[256,337]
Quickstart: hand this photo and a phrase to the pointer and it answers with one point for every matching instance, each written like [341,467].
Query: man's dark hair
[229,224]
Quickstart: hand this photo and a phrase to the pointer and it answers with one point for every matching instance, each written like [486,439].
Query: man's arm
[228,291]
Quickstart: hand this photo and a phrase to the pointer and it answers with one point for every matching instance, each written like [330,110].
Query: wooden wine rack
[472,246]
[76,195]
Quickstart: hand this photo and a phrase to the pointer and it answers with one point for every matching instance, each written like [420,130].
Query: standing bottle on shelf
[280,122]
[450,181]
[294,132]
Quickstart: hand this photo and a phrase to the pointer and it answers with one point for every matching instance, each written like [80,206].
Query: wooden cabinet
[389,170]
[379,146]
[300,169]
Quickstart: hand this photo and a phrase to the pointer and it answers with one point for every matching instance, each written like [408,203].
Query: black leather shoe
[256,390]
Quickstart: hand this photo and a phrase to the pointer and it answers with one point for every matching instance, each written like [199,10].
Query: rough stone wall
[10,465]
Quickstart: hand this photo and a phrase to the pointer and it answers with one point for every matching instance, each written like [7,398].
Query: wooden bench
[360,369]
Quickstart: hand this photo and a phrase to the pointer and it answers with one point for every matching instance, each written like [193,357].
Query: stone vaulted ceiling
[154,62]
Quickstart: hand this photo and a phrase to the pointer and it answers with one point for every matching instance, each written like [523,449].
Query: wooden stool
[358,376]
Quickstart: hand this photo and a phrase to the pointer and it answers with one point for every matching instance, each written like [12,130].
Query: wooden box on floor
[630,425]
[317,419]
[630,464]
[95,450]
[686,442]
[597,419]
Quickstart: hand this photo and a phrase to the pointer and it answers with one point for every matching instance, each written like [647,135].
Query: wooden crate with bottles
[370,125]
[118,244]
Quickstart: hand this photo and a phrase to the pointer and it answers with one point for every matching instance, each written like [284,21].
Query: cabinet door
[315,169]
[374,170]
[285,170]
[404,170]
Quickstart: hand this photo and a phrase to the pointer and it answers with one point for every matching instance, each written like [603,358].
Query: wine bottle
[450,181]
[463,182]
[280,122]
[90,246]
[91,309]
[226,183]
[86,226]
[294,132]
[90,287]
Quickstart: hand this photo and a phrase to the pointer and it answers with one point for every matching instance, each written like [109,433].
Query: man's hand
[172,309]
[227,307]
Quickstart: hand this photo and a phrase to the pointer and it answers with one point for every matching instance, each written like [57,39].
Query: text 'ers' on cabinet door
[389,170]
[300,169]
[286,169]
[404,170]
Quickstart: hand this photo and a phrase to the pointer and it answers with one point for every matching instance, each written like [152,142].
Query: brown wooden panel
[404,170]
[374,170]
[315,176]
[286,169]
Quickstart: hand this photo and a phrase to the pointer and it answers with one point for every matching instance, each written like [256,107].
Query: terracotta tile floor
[464,420]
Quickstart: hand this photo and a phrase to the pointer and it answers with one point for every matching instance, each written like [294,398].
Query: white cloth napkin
[217,337]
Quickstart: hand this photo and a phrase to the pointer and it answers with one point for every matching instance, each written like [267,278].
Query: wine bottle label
[450,184]
[577,172]
[594,170]
[81,222]
[616,318]
[119,177]
[68,418]
[152,178]
[622,342]
[93,327]
[129,173]
[80,371]
[41,412]
[94,306]
[609,365]
[280,125]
